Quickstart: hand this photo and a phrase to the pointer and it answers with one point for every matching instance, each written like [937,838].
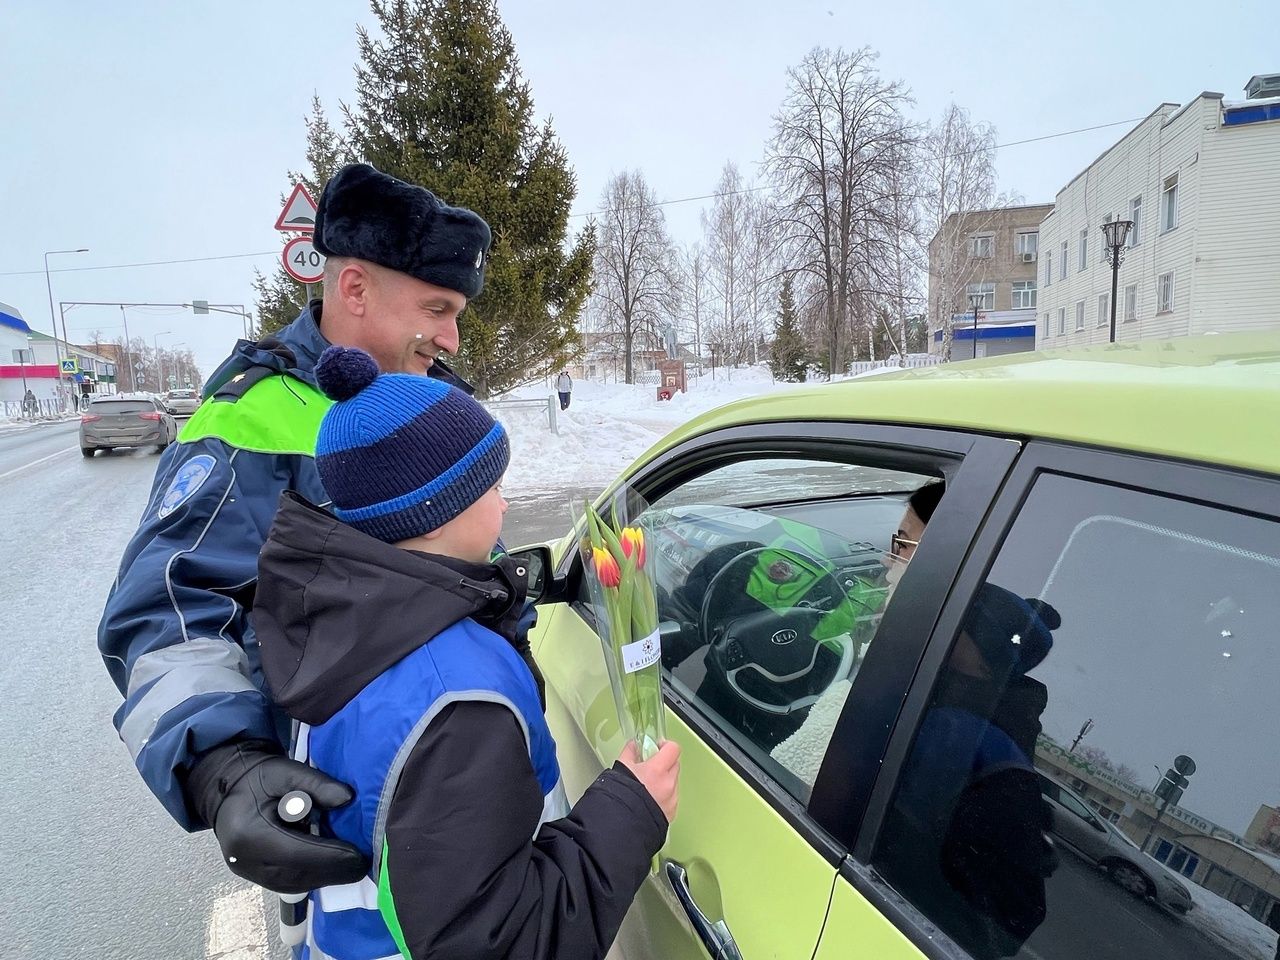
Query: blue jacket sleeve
[175,634]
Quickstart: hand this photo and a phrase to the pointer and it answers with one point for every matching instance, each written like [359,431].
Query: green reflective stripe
[278,415]
[387,903]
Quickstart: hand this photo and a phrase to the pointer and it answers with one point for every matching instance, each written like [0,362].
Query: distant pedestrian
[29,403]
[564,387]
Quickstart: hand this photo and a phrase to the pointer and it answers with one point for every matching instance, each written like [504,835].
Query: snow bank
[1226,924]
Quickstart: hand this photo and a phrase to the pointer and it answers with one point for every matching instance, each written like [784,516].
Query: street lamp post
[48,284]
[1115,233]
[975,299]
[159,360]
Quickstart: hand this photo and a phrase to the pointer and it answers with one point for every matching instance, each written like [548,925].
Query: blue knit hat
[402,455]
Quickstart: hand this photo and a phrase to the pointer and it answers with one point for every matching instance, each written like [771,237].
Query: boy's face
[473,534]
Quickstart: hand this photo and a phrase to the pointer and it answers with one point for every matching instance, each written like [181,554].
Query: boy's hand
[659,774]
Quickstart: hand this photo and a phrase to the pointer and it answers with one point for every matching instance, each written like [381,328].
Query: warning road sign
[299,213]
[70,365]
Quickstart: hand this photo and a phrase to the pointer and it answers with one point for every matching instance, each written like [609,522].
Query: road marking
[35,463]
[235,928]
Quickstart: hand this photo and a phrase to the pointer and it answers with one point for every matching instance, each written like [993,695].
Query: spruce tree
[788,355]
[440,101]
[280,297]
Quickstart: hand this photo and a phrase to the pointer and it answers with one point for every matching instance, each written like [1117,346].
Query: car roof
[1213,399]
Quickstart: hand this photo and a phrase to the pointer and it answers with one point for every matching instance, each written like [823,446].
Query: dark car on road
[112,422]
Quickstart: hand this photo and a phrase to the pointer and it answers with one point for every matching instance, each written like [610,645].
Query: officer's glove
[235,788]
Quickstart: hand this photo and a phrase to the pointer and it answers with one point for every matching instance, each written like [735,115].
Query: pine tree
[440,101]
[280,297]
[788,355]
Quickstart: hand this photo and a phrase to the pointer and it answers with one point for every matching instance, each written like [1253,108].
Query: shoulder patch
[190,478]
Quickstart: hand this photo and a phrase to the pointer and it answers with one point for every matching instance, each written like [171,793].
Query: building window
[1164,293]
[1131,302]
[1084,249]
[1135,214]
[1026,246]
[1062,321]
[1064,259]
[1103,315]
[1024,294]
[1079,315]
[1169,204]
[986,289]
[982,246]
[1048,268]
[1046,324]
[1103,256]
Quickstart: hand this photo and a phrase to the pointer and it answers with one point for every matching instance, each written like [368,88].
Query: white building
[1201,183]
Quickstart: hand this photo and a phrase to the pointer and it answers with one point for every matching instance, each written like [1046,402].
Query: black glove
[235,788]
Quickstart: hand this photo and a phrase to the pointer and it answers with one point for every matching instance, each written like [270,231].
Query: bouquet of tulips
[620,578]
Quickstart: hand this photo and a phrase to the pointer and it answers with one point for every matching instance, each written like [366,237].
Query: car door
[1136,594]
[1075,823]
[790,521]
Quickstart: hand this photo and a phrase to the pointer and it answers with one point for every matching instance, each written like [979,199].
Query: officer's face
[410,322]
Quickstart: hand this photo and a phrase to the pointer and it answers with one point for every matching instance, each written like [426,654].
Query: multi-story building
[990,254]
[1201,184]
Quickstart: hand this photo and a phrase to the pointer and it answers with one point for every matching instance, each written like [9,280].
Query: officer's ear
[354,280]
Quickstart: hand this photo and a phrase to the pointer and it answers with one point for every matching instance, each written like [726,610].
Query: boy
[389,634]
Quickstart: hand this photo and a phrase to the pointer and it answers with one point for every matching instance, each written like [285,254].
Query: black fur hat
[371,216]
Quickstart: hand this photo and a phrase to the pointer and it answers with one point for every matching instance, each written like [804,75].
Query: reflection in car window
[776,573]
[1121,637]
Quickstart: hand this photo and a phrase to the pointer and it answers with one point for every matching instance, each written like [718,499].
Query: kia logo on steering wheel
[783,637]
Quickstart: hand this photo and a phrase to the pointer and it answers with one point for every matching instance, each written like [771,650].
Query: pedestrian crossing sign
[70,365]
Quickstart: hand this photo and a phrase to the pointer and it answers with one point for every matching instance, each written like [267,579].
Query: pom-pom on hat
[402,455]
[369,215]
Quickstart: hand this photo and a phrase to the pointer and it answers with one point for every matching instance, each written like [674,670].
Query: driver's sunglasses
[902,548]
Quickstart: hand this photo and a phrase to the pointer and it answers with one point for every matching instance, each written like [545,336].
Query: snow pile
[607,426]
[1224,923]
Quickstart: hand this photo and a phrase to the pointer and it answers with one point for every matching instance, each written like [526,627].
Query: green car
[889,607]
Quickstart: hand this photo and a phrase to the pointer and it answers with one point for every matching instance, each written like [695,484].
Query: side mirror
[544,586]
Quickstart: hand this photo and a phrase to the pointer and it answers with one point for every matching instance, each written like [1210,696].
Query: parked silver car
[117,421]
[1082,830]
[182,403]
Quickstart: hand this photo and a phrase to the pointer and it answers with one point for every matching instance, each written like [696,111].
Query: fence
[43,410]
[912,361]
[550,405]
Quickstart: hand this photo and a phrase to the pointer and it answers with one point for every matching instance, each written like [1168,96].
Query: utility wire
[589,213]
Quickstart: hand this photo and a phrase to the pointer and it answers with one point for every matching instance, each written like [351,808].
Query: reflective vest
[366,744]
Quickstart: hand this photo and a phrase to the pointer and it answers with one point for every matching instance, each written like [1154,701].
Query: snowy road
[93,865]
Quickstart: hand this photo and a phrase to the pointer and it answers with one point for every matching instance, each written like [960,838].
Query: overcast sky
[151,131]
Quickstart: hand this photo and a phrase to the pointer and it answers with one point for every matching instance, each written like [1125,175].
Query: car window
[1125,642]
[772,578]
[1075,806]
[122,406]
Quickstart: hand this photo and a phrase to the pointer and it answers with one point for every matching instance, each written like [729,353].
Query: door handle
[715,936]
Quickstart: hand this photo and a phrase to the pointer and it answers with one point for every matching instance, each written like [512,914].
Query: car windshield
[102,407]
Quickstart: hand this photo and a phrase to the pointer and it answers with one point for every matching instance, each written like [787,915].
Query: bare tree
[695,293]
[840,138]
[726,233]
[957,197]
[636,275]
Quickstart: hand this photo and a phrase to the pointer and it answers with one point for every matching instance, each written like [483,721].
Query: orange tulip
[632,540]
[606,567]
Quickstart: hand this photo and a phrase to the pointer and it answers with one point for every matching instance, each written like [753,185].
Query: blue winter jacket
[176,634]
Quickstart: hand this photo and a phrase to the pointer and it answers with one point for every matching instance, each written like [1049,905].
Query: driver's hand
[659,774]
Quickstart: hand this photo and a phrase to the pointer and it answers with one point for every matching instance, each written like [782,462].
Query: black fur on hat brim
[369,215]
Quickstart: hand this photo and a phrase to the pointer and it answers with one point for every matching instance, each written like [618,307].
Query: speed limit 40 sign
[303,261]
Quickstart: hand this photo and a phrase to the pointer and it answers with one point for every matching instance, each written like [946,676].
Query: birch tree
[636,275]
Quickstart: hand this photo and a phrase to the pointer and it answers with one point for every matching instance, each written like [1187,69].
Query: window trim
[1160,307]
[1135,215]
[1104,309]
[1023,287]
[974,239]
[1127,318]
[975,466]
[1080,308]
[1084,250]
[1169,185]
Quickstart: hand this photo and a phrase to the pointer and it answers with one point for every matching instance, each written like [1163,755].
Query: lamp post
[975,299]
[1115,233]
[48,284]
[159,361]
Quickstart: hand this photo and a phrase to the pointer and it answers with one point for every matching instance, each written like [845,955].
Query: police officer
[176,634]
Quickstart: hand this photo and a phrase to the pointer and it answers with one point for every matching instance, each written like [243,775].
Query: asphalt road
[1090,916]
[94,866]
